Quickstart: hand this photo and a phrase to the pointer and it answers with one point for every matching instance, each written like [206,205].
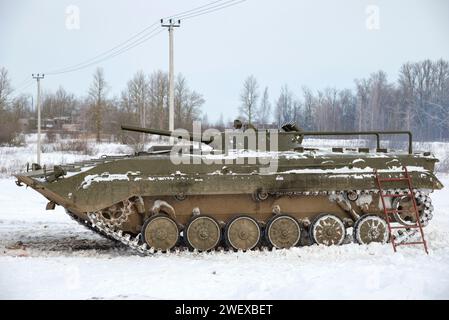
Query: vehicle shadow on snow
[38,245]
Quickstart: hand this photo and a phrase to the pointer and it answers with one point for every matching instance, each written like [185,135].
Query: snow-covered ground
[46,255]
[15,159]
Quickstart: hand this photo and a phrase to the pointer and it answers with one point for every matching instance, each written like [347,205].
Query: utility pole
[38,78]
[171,80]
[143,116]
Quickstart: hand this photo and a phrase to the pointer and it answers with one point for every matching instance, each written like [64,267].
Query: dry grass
[74,146]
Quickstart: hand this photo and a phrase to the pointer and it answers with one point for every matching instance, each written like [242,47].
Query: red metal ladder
[405,177]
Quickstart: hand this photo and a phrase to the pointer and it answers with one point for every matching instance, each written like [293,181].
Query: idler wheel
[407,215]
[242,233]
[371,228]
[283,231]
[327,229]
[203,233]
[160,232]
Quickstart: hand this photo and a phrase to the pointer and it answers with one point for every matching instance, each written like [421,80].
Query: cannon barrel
[165,133]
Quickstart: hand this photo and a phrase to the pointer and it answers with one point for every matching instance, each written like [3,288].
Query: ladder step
[404,227]
[392,211]
[409,243]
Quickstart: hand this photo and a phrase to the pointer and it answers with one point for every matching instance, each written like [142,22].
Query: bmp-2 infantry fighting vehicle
[242,195]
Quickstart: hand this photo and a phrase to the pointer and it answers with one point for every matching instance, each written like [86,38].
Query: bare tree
[205,124]
[248,98]
[138,96]
[139,92]
[407,83]
[158,99]
[284,106]
[264,112]
[363,98]
[5,88]
[187,104]
[97,97]
[58,104]
[318,116]
[380,102]
[181,97]
[126,102]
[296,111]
[441,94]
[348,105]
[308,111]
[8,121]
[220,125]
[20,106]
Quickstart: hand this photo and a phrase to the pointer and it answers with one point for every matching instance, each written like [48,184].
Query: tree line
[144,101]
[418,101]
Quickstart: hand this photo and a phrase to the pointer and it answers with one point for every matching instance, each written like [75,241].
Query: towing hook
[19,184]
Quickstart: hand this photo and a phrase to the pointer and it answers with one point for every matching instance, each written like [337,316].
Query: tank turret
[242,136]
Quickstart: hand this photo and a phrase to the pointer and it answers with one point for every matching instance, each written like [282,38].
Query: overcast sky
[313,43]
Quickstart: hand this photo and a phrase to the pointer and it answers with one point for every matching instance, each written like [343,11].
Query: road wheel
[203,233]
[283,231]
[160,232]
[242,233]
[327,229]
[370,228]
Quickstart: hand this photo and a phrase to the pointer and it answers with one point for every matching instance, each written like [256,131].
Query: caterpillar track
[88,225]
[135,242]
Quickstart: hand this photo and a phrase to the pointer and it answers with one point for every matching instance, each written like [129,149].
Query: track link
[88,225]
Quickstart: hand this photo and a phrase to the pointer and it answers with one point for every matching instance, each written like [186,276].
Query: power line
[137,39]
[145,35]
[22,86]
[194,9]
[112,54]
[27,86]
[62,70]
[221,6]
[23,82]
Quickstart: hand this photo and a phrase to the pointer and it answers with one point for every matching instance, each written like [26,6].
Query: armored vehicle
[244,189]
